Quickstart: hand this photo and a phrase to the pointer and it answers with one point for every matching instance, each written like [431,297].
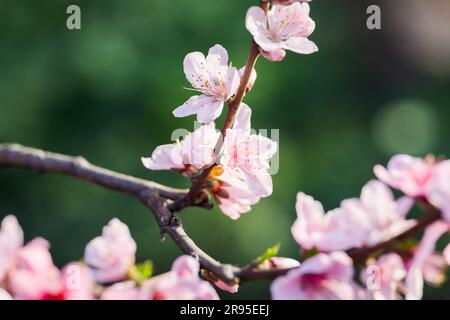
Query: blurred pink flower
[284,27]
[77,282]
[181,283]
[384,277]
[319,277]
[420,263]
[325,232]
[438,188]
[33,275]
[380,217]
[126,290]
[214,79]
[11,239]
[407,174]
[195,150]
[111,255]
[370,219]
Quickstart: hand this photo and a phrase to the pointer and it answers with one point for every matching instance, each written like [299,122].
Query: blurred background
[107,91]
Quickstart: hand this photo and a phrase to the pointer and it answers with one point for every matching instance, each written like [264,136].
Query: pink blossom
[214,79]
[196,150]
[111,255]
[231,288]
[319,277]
[380,217]
[284,27]
[181,283]
[407,174]
[384,277]
[33,275]
[11,239]
[246,155]
[370,219]
[243,167]
[126,290]
[77,282]
[335,230]
[438,188]
[420,261]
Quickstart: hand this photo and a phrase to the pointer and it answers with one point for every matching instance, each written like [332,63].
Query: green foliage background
[107,91]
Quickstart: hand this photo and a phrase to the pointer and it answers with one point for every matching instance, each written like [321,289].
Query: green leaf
[141,271]
[269,253]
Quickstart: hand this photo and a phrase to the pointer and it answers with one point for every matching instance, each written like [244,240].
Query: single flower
[111,255]
[407,174]
[283,27]
[319,277]
[384,277]
[181,283]
[214,79]
[33,275]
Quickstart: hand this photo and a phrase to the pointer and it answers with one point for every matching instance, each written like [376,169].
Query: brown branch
[14,155]
[158,198]
[154,196]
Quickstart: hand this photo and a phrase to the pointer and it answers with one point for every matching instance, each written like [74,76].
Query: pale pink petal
[220,52]
[195,69]
[193,105]
[186,266]
[414,284]
[233,288]
[121,291]
[310,222]
[11,239]
[209,112]
[255,20]
[165,157]
[243,117]
[300,45]
[274,55]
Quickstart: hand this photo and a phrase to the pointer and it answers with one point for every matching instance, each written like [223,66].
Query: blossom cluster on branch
[107,272]
[397,269]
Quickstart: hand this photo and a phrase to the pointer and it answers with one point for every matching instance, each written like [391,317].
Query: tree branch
[158,199]
[154,196]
